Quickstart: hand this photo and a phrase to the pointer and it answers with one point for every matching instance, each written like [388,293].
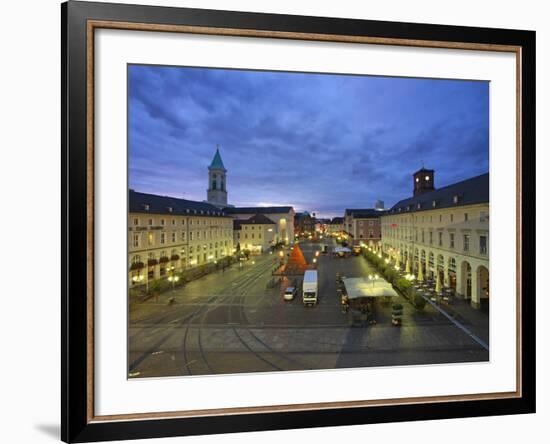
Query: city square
[273,265]
[228,322]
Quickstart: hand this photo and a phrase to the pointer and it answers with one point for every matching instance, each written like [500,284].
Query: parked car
[290,293]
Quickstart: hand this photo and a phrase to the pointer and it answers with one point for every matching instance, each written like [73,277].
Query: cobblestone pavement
[232,322]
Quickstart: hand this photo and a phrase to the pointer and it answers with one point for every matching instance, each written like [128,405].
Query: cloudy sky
[318,142]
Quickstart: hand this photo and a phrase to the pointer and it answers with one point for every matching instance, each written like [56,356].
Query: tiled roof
[363,213]
[468,192]
[257,219]
[257,210]
[337,221]
[154,204]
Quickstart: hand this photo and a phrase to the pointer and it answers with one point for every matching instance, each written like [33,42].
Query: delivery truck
[310,287]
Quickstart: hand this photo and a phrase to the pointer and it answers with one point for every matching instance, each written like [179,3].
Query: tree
[296,260]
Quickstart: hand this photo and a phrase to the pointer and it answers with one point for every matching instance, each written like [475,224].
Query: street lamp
[173,280]
[373,278]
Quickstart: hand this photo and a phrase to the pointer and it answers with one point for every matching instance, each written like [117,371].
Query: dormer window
[455,198]
[418,206]
[146,207]
[170,209]
[434,203]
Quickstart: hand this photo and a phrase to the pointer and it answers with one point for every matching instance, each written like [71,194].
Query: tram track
[239,299]
[212,302]
[236,286]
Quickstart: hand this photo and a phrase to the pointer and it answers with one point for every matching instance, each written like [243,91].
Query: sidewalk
[473,319]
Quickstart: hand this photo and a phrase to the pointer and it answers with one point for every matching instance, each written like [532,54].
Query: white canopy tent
[363,287]
[341,250]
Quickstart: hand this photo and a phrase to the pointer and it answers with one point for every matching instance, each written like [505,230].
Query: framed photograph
[276,221]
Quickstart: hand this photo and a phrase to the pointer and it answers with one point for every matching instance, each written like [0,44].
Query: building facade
[444,231]
[283,217]
[363,225]
[304,224]
[335,226]
[167,235]
[256,234]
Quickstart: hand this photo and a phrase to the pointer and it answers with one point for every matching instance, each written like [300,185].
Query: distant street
[233,322]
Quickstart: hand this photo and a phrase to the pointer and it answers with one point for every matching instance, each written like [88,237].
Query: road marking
[458,324]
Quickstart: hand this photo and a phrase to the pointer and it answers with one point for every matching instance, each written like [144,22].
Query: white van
[309,287]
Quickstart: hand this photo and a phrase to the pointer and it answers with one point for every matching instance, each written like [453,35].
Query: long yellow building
[168,234]
[444,231]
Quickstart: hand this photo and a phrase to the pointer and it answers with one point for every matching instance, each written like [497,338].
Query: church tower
[217,192]
[423,181]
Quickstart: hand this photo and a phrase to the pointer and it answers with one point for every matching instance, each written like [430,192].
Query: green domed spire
[217,162]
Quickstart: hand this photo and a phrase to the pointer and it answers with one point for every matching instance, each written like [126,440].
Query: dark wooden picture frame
[79,21]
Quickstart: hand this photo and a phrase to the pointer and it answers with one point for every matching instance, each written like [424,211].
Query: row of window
[406,235]
[173,237]
[361,223]
[182,252]
[466,242]
[483,216]
[251,235]
[164,222]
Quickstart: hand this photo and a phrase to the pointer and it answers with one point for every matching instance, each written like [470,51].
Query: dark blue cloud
[318,142]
